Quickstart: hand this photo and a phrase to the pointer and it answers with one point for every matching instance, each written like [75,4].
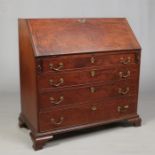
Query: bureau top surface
[76,35]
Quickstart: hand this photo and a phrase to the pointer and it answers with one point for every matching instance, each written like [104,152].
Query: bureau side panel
[27,76]
[139,67]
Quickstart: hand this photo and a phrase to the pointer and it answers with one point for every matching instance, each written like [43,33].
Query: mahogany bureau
[76,74]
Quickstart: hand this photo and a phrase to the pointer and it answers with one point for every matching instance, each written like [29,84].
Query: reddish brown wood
[83,94]
[73,36]
[99,62]
[40,141]
[27,76]
[135,121]
[80,77]
[21,122]
[78,61]
[85,114]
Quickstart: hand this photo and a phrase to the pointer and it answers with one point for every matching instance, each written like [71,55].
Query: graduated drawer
[77,77]
[87,93]
[79,61]
[86,114]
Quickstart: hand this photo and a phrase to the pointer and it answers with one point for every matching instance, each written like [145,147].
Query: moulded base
[40,139]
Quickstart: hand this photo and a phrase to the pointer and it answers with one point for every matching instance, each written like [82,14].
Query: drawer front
[71,62]
[77,95]
[86,114]
[74,78]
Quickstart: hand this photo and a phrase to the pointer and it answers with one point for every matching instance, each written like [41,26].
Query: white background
[141,16]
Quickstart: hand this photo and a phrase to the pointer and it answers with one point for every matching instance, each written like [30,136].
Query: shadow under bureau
[76,74]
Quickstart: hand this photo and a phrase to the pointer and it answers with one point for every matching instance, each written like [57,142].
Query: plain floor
[111,140]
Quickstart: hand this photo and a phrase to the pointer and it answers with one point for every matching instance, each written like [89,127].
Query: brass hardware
[82,20]
[93,108]
[51,66]
[92,73]
[52,100]
[125,61]
[61,81]
[92,89]
[122,75]
[58,122]
[92,60]
[39,65]
[122,108]
[123,92]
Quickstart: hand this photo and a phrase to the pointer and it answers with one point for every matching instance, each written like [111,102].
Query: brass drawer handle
[92,60]
[61,81]
[92,89]
[122,108]
[92,73]
[52,100]
[57,122]
[51,66]
[123,75]
[123,92]
[93,108]
[125,61]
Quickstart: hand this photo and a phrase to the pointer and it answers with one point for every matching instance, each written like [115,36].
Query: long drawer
[72,62]
[61,118]
[76,95]
[74,78]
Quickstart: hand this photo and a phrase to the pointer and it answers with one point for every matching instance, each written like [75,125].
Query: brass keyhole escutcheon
[92,60]
[93,73]
[92,89]
[82,20]
[93,108]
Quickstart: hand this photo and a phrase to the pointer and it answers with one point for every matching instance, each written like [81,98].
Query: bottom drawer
[86,114]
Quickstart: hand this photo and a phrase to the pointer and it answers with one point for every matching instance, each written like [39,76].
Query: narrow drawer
[86,114]
[72,62]
[84,94]
[75,78]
